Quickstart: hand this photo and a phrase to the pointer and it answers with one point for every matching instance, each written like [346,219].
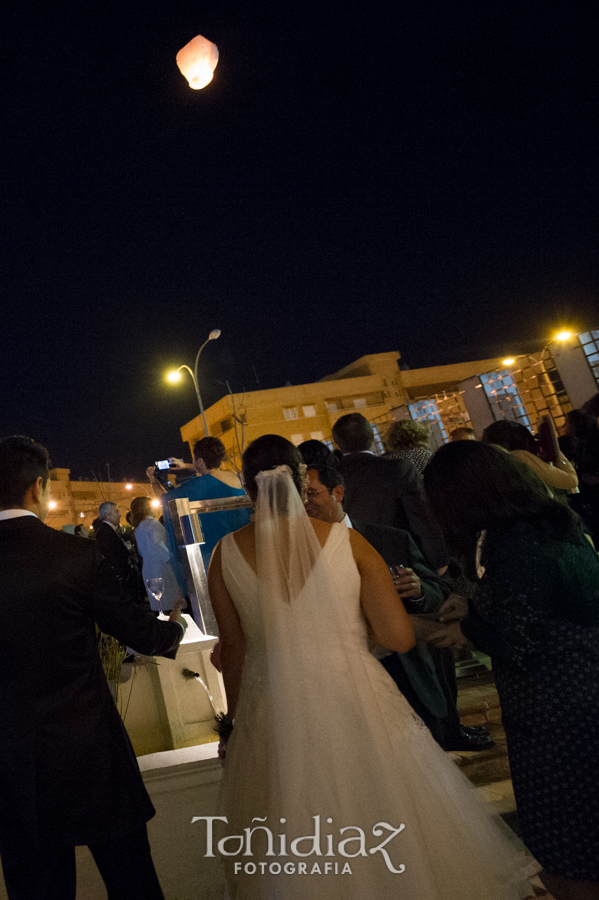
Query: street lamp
[175,376]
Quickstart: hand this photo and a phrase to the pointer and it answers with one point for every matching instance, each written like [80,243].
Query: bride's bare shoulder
[245,536]
[322,530]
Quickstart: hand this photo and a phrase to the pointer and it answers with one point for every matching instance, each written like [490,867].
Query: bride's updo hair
[268,452]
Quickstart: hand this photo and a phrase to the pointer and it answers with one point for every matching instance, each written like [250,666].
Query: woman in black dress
[536,613]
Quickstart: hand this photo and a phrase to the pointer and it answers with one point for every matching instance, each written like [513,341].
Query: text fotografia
[352,842]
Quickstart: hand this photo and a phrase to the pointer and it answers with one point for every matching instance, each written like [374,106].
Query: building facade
[552,381]
[77,502]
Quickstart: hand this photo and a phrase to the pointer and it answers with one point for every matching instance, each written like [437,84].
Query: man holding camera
[211,483]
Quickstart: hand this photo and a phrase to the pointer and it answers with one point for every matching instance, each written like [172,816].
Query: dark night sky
[359,177]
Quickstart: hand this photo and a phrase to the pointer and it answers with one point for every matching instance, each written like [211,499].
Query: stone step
[478,704]
[485,766]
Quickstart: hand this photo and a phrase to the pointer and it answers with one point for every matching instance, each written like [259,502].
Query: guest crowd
[490,544]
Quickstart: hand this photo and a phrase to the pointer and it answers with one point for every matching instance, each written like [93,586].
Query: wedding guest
[462,433]
[211,483]
[536,613]
[591,407]
[117,553]
[81,531]
[317,453]
[151,543]
[517,440]
[581,445]
[68,773]
[407,439]
[385,491]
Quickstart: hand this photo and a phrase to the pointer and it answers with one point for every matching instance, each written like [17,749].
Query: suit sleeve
[420,517]
[114,551]
[115,614]
[435,589]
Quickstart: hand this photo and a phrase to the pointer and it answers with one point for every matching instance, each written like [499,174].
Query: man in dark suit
[422,592]
[68,773]
[117,554]
[383,491]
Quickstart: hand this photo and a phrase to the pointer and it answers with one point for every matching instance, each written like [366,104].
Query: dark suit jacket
[113,549]
[389,492]
[419,675]
[68,773]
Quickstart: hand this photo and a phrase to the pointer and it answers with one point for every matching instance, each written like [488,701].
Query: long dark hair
[474,487]
[140,508]
[268,452]
[511,436]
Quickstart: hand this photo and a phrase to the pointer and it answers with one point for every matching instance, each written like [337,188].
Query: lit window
[590,345]
[290,412]
[309,411]
[296,439]
[317,435]
[332,406]
[359,403]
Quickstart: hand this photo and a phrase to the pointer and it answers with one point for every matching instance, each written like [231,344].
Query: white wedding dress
[324,741]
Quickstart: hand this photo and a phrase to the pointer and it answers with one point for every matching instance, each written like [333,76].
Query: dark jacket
[389,492]
[121,561]
[68,773]
[416,674]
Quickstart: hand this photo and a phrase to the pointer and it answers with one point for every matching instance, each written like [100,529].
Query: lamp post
[174,376]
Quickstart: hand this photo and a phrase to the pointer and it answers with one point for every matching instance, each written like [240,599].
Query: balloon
[197,61]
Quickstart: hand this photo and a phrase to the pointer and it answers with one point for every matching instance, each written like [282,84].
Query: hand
[177,465]
[455,607]
[407,584]
[150,474]
[448,636]
[175,614]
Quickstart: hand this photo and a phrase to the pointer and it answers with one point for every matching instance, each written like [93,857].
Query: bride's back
[245,539]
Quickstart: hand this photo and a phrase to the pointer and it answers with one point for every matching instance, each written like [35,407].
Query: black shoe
[472,741]
[474,729]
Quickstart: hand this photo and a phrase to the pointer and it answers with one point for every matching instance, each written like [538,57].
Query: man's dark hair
[211,450]
[315,454]
[328,475]
[22,462]
[353,433]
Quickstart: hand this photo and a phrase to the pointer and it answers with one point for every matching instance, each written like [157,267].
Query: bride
[333,787]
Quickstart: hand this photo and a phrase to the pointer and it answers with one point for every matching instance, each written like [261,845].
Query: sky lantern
[197,61]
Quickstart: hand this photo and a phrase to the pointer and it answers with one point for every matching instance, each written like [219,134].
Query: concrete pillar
[477,405]
[574,371]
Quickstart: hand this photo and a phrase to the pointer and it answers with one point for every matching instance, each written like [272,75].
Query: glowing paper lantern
[197,62]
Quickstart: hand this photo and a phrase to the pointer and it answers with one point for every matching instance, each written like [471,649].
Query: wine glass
[156,589]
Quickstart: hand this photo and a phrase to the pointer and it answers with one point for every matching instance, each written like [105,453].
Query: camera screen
[163,464]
